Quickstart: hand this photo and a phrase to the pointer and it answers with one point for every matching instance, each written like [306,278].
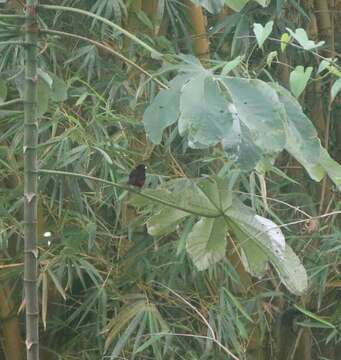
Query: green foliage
[153,280]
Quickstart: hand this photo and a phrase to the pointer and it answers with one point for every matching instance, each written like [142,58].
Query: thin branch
[11,102]
[129,188]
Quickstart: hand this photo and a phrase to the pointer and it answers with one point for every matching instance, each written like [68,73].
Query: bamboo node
[30,343]
[31,10]
[30,196]
[35,253]
[32,313]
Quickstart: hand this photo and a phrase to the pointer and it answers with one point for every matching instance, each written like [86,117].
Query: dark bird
[137,177]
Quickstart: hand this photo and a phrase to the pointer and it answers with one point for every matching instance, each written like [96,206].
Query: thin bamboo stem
[30,183]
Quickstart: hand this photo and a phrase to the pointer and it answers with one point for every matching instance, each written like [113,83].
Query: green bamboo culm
[30,181]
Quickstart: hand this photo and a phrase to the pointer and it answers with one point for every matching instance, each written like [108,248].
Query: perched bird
[137,176]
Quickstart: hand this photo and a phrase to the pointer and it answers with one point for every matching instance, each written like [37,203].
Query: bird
[137,176]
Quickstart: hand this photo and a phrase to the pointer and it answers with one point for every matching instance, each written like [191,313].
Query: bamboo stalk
[30,182]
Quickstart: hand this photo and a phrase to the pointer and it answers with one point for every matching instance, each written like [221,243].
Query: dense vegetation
[231,248]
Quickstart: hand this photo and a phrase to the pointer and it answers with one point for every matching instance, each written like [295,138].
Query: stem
[105,21]
[11,102]
[30,183]
[131,189]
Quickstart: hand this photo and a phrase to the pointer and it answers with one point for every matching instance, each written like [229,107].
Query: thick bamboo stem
[30,182]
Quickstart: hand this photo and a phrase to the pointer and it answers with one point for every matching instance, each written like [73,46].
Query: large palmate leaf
[260,240]
[207,242]
[252,120]
[182,197]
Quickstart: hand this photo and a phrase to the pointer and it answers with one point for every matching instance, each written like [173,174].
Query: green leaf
[291,272]
[45,76]
[264,3]
[272,55]
[314,316]
[262,32]
[181,194]
[241,41]
[256,105]
[164,110]
[165,221]
[230,65]
[43,94]
[332,168]
[301,37]
[236,5]
[204,112]
[299,79]
[59,89]
[206,242]
[302,140]
[212,6]
[335,89]
[285,39]
[142,16]
[91,229]
[270,243]
[3,91]
[325,64]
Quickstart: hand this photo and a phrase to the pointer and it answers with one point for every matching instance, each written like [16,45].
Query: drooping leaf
[301,37]
[299,78]
[291,271]
[302,140]
[241,41]
[267,243]
[164,110]
[331,167]
[262,32]
[206,243]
